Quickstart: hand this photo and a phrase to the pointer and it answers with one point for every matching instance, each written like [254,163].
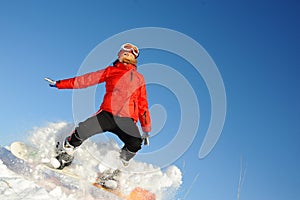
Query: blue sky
[255,45]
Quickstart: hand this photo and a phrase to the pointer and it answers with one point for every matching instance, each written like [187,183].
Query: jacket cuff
[146,129]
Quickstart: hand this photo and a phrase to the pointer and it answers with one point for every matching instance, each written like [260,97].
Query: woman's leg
[96,124]
[129,133]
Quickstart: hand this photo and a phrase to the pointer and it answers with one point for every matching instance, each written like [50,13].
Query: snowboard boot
[67,147]
[109,179]
[126,155]
[64,155]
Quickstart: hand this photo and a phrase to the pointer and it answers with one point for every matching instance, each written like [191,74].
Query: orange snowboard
[140,194]
[136,194]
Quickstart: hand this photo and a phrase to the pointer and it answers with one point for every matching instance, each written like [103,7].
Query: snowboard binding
[126,156]
[64,155]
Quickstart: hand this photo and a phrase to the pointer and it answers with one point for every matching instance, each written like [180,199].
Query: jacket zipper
[131,76]
[145,117]
[134,106]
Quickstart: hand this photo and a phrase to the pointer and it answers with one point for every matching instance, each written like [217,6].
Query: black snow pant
[123,127]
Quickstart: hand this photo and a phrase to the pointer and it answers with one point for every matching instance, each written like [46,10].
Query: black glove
[145,138]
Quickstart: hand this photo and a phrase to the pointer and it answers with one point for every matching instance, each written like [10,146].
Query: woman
[125,102]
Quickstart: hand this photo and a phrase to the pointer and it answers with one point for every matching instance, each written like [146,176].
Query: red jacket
[125,91]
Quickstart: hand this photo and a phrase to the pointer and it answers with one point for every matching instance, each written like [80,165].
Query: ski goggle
[131,48]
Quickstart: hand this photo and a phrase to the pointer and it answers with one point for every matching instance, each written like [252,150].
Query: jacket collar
[124,66]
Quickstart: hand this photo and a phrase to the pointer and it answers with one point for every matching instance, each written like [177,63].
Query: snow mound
[14,186]
[92,157]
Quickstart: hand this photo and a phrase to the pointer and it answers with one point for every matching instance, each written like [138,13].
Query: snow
[91,158]
[14,186]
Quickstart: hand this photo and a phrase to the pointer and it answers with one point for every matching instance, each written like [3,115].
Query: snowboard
[107,180]
[30,154]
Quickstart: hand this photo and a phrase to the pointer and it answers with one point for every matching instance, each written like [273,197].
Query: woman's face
[127,57]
